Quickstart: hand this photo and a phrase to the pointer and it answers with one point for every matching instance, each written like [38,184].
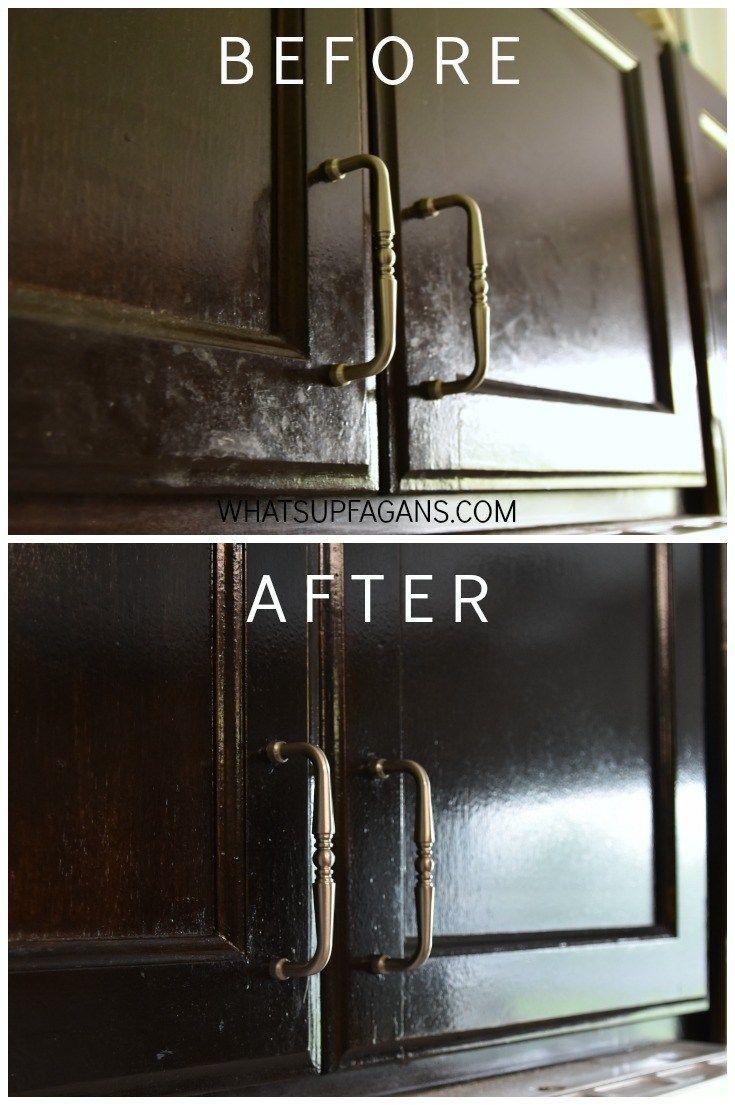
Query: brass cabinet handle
[384,260]
[278,752]
[424,837]
[479,309]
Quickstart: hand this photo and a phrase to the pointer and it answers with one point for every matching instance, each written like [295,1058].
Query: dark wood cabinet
[178,288]
[159,862]
[591,368]
[563,740]
[180,282]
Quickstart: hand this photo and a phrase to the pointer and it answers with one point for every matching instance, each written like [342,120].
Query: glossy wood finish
[418,1070]
[589,341]
[112,668]
[172,317]
[709,164]
[158,864]
[569,818]
[554,707]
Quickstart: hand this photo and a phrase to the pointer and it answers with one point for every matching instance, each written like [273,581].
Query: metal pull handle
[424,837]
[278,752]
[479,310]
[384,260]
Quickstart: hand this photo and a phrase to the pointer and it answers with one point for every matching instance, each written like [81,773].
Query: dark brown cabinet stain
[113,693]
[171,225]
[159,862]
[554,188]
[179,286]
[564,744]
[589,344]
[173,315]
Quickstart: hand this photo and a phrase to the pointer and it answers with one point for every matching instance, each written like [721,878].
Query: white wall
[703,31]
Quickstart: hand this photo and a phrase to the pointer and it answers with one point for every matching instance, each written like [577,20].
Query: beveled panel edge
[713,129]
[50,305]
[289,252]
[500,480]
[598,39]
[228,598]
[492,943]
[457,1044]
[79,954]
[663,764]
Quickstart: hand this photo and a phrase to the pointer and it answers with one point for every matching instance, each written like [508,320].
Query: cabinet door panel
[157,861]
[564,743]
[108,687]
[591,367]
[174,279]
[155,222]
[546,792]
[698,134]
[559,208]
[706,105]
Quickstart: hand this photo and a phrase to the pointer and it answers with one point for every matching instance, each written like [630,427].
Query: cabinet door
[707,122]
[177,288]
[157,861]
[591,378]
[697,128]
[564,743]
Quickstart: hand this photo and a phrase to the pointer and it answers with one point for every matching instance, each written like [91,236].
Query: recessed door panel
[181,226]
[98,694]
[707,133]
[557,196]
[590,377]
[537,729]
[177,288]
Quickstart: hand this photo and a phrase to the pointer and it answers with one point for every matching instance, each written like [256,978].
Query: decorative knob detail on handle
[384,259]
[278,752]
[424,863]
[428,208]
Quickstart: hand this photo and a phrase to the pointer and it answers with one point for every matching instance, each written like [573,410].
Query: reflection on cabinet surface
[159,862]
[707,116]
[591,368]
[569,832]
[182,280]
